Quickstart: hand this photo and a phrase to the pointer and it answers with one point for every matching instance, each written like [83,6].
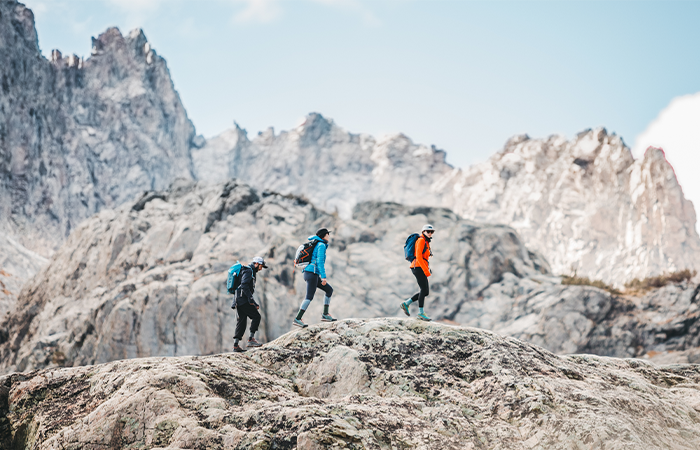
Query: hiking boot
[404,306]
[237,349]
[252,342]
[299,323]
[327,318]
[422,316]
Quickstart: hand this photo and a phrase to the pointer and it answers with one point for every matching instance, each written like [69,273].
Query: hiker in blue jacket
[246,306]
[315,277]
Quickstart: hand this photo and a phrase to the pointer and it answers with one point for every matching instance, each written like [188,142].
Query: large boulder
[378,383]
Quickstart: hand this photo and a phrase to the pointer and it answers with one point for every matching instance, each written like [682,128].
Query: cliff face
[77,136]
[586,205]
[80,135]
[359,384]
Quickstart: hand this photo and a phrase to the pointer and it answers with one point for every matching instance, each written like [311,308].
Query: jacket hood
[316,238]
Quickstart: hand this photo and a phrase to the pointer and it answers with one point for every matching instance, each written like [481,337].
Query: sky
[462,75]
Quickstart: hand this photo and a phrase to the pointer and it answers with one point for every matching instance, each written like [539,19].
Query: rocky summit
[359,384]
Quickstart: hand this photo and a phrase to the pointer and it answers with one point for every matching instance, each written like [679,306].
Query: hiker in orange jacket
[421,270]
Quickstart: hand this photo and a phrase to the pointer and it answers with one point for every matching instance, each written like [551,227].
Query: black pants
[244,312]
[423,284]
[313,282]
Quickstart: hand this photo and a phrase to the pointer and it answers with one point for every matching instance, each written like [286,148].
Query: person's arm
[420,261]
[321,260]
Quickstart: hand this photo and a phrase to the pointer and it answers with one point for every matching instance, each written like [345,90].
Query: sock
[325,309]
[252,335]
[408,302]
[326,304]
[304,305]
[421,310]
[236,341]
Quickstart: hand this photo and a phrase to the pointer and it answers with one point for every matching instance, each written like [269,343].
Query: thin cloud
[259,11]
[355,6]
[267,11]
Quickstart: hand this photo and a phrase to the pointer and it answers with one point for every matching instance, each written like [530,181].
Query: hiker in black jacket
[246,305]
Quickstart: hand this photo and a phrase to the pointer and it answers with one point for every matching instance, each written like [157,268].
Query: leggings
[313,282]
[423,284]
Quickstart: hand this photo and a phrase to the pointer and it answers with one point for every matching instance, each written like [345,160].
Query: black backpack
[304,254]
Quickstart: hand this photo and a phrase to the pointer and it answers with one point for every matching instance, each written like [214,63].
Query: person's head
[323,233]
[428,230]
[259,263]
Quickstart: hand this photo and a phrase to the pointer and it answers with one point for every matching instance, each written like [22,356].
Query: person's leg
[255,317]
[312,280]
[329,292]
[241,311]
[424,287]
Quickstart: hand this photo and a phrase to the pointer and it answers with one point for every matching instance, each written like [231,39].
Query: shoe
[252,342]
[327,318]
[405,309]
[299,323]
[422,316]
[237,349]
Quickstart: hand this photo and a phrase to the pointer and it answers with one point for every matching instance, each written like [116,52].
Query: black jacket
[244,293]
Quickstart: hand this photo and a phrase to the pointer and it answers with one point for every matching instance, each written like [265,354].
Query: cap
[259,260]
[428,227]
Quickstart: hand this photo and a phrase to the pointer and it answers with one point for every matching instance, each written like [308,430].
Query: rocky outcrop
[359,384]
[585,204]
[148,278]
[319,160]
[80,135]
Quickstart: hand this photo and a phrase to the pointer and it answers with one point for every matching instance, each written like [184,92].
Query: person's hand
[257,306]
[323,281]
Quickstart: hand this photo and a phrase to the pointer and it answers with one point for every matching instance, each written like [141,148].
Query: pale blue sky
[463,75]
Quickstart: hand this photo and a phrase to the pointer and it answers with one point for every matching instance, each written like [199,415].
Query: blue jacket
[318,259]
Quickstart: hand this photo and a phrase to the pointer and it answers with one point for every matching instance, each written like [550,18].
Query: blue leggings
[313,282]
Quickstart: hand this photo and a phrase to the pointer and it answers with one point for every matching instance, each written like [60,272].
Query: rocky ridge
[359,384]
[586,205]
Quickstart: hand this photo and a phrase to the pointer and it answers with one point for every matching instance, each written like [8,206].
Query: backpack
[409,249]
[234,278]
[304,253]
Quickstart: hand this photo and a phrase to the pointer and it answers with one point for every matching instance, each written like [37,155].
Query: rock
[77,136]
[17,264]
[586,205]
[424,385]
[148,278]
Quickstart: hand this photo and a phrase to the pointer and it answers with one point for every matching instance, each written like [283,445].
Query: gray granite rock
[382,383]
[586,205]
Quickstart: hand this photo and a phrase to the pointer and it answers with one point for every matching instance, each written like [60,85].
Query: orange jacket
[422,255]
